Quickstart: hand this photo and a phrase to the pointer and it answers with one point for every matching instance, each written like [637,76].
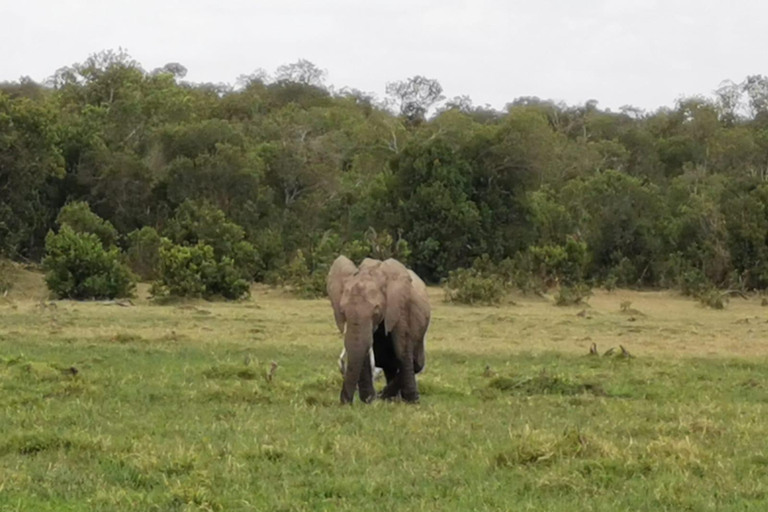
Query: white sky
[646,53]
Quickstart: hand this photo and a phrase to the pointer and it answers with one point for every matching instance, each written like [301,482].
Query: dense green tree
[430,195]
[618,217]
[285,170]
[30,165]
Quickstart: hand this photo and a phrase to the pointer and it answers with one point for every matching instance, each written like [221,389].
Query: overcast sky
[646,53]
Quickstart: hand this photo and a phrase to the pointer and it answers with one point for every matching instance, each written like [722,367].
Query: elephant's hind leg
[384,352]
[392,389]
[406,376]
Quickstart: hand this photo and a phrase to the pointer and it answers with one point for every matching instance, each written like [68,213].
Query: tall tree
[415,96]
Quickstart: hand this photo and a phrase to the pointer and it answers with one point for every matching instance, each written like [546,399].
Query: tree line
[286,172]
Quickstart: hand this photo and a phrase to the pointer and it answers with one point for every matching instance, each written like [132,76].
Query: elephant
[382,309]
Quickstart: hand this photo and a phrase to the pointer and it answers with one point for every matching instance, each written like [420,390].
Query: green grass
[170,408]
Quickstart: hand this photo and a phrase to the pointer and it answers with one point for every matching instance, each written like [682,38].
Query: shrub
[78,266]
[78,216]
[560,263]
[227,281]
[5,277]
[144,252]
[247,260]
[194,272]
[469,286]
[382,246]
[518,273]
[572,295]
[713,298]
[268,245]
[694,283]
[200,223]
[622,274]
[301,280]
[305,273]
[610,282]
[182,270]
[691,281]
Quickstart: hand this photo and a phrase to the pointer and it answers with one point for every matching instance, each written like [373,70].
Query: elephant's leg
[357,358]
[365,385]
[384,352]
[407,381]
[350,383]
[419,357]
[392,389]
[406,376]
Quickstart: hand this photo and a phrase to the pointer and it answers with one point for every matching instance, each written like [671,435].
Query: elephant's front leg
[365,384]
[357,362]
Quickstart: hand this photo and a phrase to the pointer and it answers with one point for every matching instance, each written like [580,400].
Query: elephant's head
[362,299]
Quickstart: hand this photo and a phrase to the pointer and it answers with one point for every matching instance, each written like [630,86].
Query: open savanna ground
[170,407]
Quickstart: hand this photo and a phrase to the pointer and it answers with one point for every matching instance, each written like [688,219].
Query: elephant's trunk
[358,341]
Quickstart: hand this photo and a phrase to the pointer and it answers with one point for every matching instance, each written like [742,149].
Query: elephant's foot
[411,398]
[391,391]
[410,391]
[367,397]
[346,397]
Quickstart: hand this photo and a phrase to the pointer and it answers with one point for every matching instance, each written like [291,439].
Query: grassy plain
[170,408]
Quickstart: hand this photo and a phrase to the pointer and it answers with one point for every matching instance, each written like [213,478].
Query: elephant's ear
[341,269]
[397,291]
[369,265]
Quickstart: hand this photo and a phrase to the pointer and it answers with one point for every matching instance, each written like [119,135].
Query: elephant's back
[420,299]
[418,285]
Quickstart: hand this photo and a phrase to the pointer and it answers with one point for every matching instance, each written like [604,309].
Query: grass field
[171,409]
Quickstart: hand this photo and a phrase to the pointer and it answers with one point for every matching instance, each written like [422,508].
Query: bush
[680,274]
[200,223]
[623,274]
[563,264]
[5,277]
[713,298]
[305,273]
[382,246]
[572,295]
[195,272]
[247,260]
[227,281]
[78,266]
[518,273]
[144,252]
[301,280]
[182,270]
[470,286]
[268,245]
[610,282]
[78,216]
